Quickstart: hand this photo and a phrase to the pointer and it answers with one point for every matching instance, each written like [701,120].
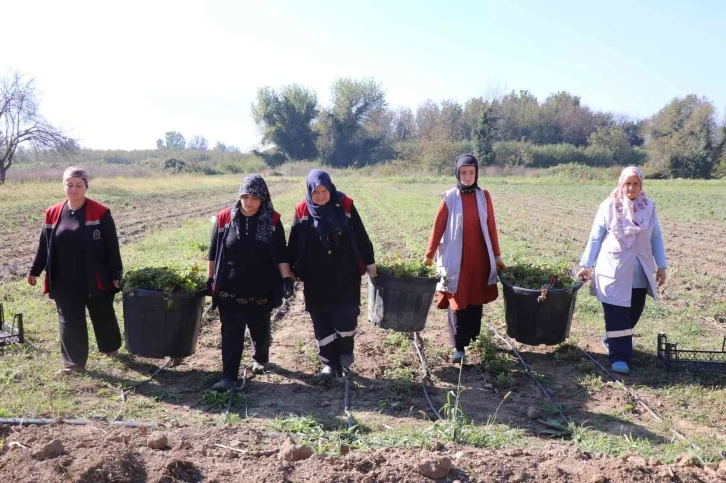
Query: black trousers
[464,325]
[619,324]
[335,333]
[74,332]
[235,319]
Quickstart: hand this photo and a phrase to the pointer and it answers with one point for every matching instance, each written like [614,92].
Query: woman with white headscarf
[626,249]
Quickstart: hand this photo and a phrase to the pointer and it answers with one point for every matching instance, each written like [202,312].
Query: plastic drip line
[346,400]
[643,404]
[166,364]
[425,378]
[75,422]
[528,371]
[232,390]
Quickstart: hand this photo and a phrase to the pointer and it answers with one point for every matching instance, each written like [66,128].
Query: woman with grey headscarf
[79,252]
[249,273]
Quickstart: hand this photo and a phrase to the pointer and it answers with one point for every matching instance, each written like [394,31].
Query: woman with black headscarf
[248,274]
[464,241]
[329,252]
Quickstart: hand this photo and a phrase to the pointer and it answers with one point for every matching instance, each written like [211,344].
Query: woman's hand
[584,274]
[117,283]
[32,280]
[371,270]
[500,264]
[660,276]
[209,289]
[428,261]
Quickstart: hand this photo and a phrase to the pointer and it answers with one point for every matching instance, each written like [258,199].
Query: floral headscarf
[629,217]
[254,184]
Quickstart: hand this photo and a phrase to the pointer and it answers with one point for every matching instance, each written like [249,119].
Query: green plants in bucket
[539,301]
[163,310]
[399,298]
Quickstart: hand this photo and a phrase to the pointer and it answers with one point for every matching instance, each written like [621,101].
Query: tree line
[683,139]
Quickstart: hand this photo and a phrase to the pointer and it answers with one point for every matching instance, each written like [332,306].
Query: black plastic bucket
[158,324]
[533,323]
[400,303]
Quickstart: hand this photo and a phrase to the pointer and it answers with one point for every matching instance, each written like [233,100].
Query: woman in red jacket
[464,241]
[79,252]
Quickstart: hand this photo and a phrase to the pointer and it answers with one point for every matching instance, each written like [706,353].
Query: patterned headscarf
[467,160]
[629,217]
[329,218]
[254,184]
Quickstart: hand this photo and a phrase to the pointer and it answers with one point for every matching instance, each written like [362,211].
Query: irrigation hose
[425,377]
[166,364]
[643,404]
[232,390]
[76,422]
[346,400]
[528,370]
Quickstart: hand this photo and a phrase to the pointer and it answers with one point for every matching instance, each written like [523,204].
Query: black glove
[210,287]
[288,287]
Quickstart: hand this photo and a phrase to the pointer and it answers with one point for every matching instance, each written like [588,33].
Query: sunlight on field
[537,220]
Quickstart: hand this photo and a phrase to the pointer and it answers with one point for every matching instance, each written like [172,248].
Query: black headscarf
[467,160]
[254,184]
[329,218]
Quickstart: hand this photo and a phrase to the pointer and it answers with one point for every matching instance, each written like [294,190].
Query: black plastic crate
[675,359]
[11,333]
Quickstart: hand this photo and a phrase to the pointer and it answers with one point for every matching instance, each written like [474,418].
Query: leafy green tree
[22,124]
[403,125]
[198,143]
[172,140]
[483,136]
[682,138]
[614,141]
[346,131]
[220,146]
[285,118]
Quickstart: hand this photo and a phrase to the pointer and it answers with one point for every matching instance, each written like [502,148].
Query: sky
[118,75]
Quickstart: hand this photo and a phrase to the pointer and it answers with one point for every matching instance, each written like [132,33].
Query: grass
[539,220]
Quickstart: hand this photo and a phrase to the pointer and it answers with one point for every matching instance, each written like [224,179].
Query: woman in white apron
[626,249]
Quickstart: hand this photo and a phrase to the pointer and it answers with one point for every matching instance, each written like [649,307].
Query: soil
[103,453]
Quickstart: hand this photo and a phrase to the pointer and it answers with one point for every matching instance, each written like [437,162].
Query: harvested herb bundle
[401,268]
[535,276]
[165,279]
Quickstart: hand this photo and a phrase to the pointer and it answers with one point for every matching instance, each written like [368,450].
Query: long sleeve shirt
[597,235]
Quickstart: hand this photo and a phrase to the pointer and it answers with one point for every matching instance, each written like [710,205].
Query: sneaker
[621,367]
[258,368]
[605,344]
[327,371]
[458,356]
[223,385]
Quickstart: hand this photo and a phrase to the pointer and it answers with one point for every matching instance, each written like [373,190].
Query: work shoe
[223,385]
[458,356]
[110,354]
[327,371]
[621,367]
[605,344]
[258,368]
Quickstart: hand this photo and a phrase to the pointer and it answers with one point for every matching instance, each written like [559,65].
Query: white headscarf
[629,217]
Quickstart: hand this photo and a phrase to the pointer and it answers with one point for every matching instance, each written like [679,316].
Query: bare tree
[21,123]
